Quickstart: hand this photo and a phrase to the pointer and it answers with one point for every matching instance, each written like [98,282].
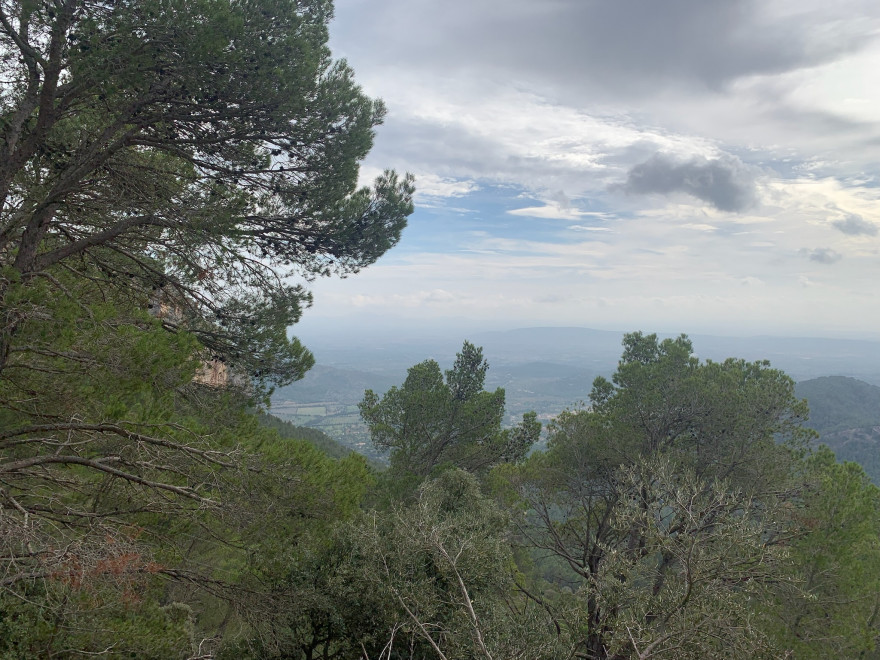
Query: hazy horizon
[370,328]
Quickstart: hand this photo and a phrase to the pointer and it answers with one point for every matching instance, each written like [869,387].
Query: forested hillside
[846,414]
[173,174]
[170,174]
[838,403]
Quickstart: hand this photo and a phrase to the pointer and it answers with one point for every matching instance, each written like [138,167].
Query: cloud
[725,183]
[856,225]
[504,135]
[587,228]
[546,94]
[414,299]
[430,187]
[823,255]
[558,206]
[547,212]
[717,104]
[633,47]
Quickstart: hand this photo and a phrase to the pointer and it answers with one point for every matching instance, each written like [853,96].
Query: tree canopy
[431,420]
[172,174]
[198,152]
[660,497]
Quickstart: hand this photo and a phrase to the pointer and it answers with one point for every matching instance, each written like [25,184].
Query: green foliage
[428,579]
[199,149]
[95,395]
[658,503]
[101,618]
[442,565]
[830,606]
[117,466]
[684,564]
[664,400]
[166,166]
[431,420]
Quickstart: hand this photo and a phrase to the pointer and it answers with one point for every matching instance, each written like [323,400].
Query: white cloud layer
[689,164]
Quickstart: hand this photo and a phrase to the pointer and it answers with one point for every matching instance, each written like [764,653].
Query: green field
[313,411]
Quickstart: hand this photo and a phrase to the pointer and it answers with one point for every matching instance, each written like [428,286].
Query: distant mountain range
[550,369]
[596,351]
[599,351]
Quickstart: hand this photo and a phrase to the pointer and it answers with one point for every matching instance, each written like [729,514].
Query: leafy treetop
[429,420]
[199,151]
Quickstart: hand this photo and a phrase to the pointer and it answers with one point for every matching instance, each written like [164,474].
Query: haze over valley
[545,370]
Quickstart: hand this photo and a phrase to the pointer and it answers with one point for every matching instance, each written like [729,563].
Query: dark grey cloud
[630,46]
[856,225]
[823,255]
[725,183]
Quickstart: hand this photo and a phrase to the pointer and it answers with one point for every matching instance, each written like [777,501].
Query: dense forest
[171,171]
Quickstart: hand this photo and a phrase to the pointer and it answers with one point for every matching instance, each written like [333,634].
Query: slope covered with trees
[846,414]
[171,172]
[320,440]
[838,403]
[681,515]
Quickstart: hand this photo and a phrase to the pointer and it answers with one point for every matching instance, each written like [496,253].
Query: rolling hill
[846,414]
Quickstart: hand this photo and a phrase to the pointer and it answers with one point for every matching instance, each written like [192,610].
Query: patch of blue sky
[466,223]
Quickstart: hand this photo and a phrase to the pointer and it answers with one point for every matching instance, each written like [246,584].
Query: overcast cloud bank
[587,162]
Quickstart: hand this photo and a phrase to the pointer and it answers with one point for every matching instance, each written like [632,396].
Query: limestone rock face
[213,373]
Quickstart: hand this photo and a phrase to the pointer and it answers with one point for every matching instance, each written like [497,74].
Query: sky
[678,166]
